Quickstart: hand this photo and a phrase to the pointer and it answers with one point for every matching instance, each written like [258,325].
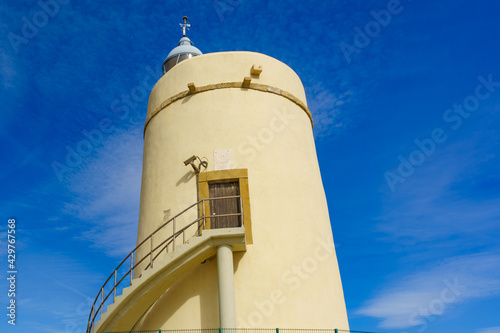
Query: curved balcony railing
[149,258]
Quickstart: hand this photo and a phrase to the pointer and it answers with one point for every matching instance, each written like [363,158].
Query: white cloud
[495,329]
[439,199]
[411,300]
[107,192]
[65,286]
[325,107]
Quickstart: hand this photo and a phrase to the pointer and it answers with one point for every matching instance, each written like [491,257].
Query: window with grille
[225,206]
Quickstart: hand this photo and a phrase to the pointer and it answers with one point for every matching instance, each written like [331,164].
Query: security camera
[190,160]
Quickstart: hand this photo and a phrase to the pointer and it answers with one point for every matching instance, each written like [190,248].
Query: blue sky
[406,101]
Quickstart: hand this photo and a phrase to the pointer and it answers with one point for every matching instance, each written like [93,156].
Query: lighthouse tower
[234,230]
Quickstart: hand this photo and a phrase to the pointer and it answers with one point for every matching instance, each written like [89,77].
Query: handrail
[134,262]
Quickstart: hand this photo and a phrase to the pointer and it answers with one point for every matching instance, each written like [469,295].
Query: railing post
[102,298]
[131,267]
[199,211]
[241,208]
[173,235]
[151,253]
[114,289]
[91,318]
[204,219]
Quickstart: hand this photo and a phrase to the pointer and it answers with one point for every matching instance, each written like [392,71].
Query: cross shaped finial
[185,26]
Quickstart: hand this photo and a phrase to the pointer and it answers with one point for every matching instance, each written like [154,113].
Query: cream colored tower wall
[289,276]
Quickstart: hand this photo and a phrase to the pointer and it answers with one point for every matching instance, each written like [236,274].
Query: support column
[227,304]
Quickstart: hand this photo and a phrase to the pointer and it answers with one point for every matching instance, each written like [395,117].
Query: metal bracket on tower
[246,82]
[256,70]
[192,88]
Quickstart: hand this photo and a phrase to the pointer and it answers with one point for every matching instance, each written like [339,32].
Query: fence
[246,330]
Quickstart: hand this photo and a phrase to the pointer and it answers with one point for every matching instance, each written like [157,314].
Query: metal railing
[247,330]
[154,252]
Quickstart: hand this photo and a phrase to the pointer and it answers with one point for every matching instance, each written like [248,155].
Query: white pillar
[227,304]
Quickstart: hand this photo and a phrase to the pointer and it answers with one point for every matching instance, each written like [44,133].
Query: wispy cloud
[495,329]
[441,191]
[65,285]
[326,108]
[411,300]
[106,193]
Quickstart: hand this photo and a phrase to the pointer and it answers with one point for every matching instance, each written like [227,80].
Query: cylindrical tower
[234,230]
[245,113]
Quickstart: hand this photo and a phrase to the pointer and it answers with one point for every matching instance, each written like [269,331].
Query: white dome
[184,50]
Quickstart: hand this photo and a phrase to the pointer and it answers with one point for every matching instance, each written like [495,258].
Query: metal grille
[225,213]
